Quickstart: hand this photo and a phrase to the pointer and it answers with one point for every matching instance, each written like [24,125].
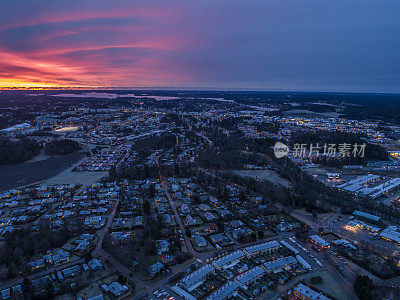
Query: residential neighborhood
[177,204]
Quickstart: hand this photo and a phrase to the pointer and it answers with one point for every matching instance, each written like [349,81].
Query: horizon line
[210,89]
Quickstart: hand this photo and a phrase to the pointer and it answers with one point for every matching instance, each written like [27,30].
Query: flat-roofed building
[280,263]
[303,262]
[229,260]
[181,292]
[386,187]
[391,233]
[225,291]
[250,275]
[332,176]
[345,243]
[195,279]
[367,217]
[262,248]
[291,248]
[359,183]
[319,242]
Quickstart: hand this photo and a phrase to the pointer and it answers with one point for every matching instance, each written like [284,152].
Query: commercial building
[385,187]
[319,242]
[367,217]
[356,184]
[391,233]
[343,242]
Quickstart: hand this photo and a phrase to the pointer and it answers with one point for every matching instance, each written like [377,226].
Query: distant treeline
[313,107]
[61,147]
[387,111]
[43,133]
[12,152]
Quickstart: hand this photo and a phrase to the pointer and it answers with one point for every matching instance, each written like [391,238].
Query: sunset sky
[267,44]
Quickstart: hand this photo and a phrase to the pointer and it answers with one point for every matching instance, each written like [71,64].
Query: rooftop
[309,293]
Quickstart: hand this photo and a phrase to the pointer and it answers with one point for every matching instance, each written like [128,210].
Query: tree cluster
[12,152]
[61,147]
[364,287]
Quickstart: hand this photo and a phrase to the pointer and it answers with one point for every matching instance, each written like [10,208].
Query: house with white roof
[196,278]
[228,260]
[225,291]
[284,262]
[262,248]
[250,275]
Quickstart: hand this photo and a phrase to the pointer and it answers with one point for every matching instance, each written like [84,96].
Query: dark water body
[12,176]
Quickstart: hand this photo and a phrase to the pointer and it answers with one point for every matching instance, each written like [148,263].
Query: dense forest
[61,147]
[12,152]
[165,141]
[173,118]
[372,152]
[388,111]
[233,151]
[272,127]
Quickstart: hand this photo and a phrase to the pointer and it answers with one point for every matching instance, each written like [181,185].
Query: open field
[330,286]
[12,176]
[69,177]
[264,175]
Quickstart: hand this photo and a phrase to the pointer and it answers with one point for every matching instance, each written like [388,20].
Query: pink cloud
[71,54]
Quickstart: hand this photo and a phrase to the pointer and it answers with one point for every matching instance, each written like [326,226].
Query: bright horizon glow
[13,83]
